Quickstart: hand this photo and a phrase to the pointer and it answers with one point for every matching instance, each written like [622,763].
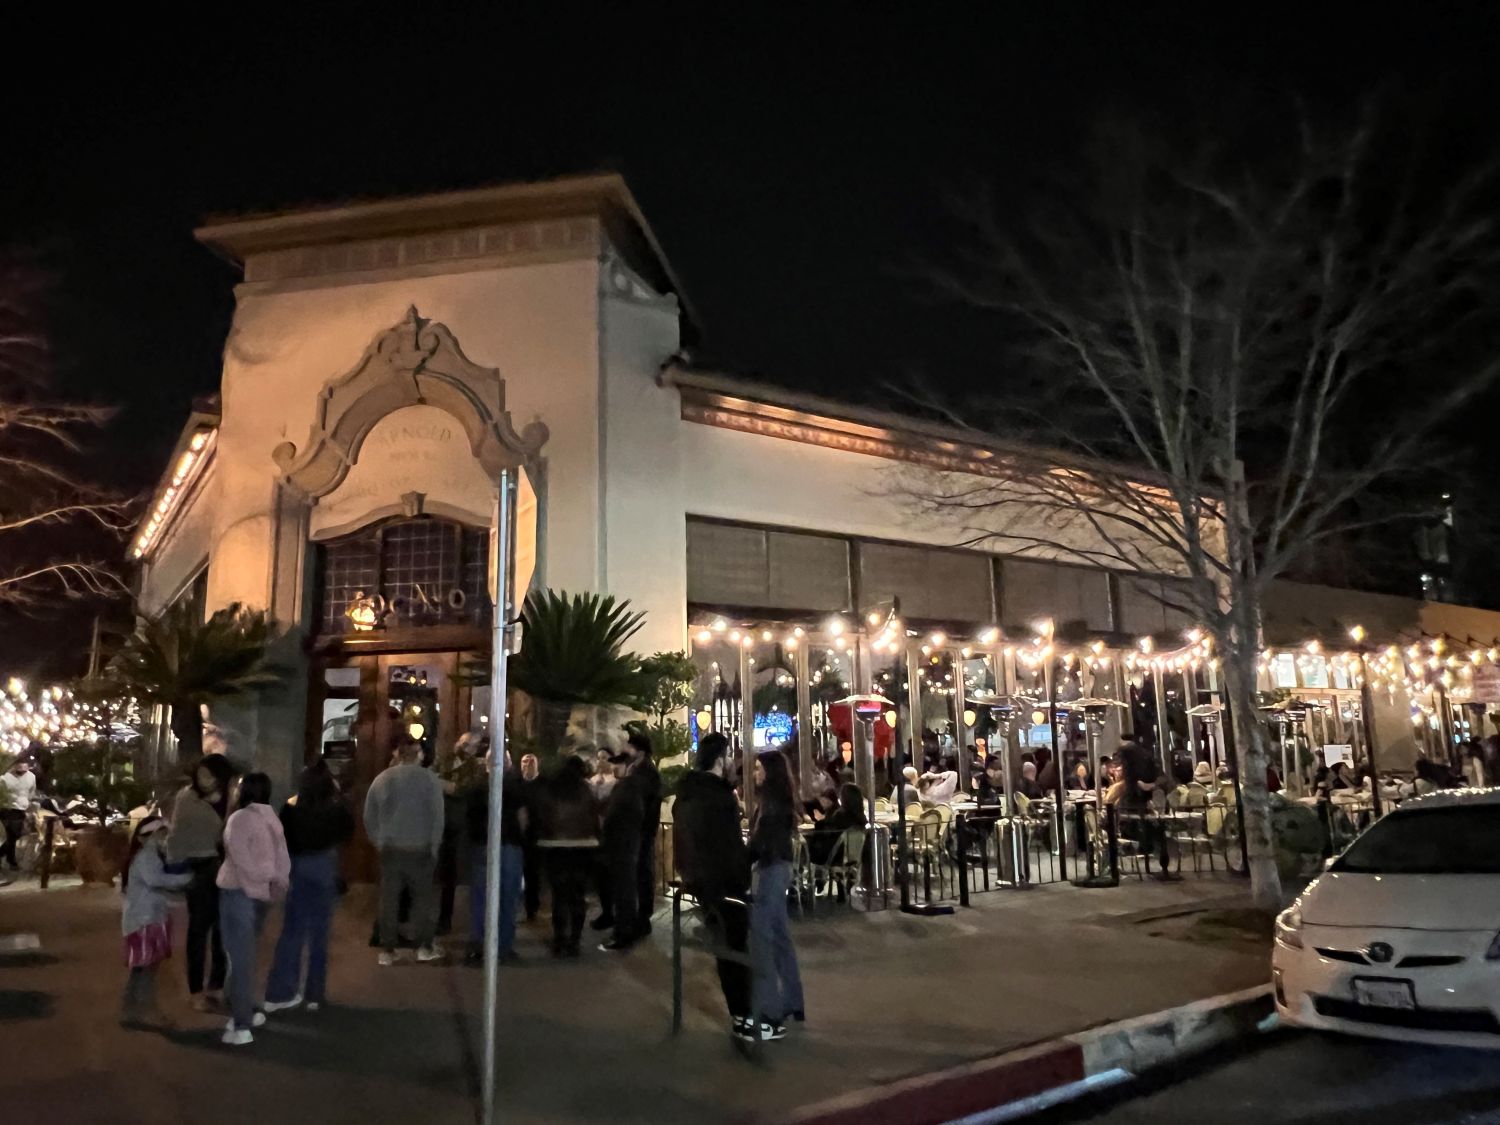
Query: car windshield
[1456,840]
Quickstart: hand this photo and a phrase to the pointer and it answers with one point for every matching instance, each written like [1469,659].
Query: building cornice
[571,216]
[748,406]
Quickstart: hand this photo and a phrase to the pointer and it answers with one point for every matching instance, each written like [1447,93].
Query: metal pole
[1445,721]
[1163,732]
[801,663]
[913,747]
[747,731]
[1060,815]
[1367,705]
[501,635]
[1189,701]
[960,729]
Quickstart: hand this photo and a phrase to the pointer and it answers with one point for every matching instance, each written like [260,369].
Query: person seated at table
[1116,779]
[937,786]
[850,813]
[908,792]
[1028,786]
[1046,778]
[1079,778]
[976,761]
[822,796]
[992,783]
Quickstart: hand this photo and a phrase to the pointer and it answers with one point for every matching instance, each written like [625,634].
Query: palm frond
[180,658]
[572,649]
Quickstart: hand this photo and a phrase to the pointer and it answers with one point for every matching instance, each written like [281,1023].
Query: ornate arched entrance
[383,548]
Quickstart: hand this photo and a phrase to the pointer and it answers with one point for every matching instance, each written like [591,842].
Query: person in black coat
[631,821]
[714,864]
[849,814]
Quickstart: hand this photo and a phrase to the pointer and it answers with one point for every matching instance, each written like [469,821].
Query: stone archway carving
[416,362]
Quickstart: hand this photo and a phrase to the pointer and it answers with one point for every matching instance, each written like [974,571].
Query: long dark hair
[851,800]
[778,783]
[316,788]
[255,789]
[222,772]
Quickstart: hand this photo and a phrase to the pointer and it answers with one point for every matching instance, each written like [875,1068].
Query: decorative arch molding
[416,362]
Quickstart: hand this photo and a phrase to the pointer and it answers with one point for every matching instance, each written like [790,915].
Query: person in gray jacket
[404,820]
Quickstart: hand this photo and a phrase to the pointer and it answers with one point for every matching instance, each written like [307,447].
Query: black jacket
[634,811]
[710,852]
[477,811]
[315,828]
[821,841]
[771,839]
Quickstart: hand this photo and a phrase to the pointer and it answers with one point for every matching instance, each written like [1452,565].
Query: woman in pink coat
[255,874]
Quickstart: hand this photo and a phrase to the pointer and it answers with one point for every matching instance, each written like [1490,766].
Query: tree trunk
[1250,742]
[187,728]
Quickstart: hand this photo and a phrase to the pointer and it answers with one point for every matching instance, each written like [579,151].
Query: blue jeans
[777,981]
[304,925]
[511,862]
[240,920]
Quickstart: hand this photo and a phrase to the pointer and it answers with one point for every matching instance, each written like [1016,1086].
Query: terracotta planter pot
[99,853]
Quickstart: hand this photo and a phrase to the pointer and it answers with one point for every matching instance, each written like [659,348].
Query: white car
[1400,938]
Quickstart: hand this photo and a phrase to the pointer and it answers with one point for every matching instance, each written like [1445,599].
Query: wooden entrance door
[362,705]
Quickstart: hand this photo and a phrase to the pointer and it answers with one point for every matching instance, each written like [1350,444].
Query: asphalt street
[1295,1076]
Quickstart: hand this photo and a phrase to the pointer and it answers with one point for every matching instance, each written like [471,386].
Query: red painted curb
[933,1099]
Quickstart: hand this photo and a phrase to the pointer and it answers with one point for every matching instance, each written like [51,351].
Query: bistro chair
[844,864]
[802,874]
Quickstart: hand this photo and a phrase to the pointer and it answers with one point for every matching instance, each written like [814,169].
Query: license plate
[1385,993]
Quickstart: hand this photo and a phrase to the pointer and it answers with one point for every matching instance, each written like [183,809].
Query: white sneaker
[257,1020]
[312,1006]
[236,1037]
[282,1005]
[386,959]
[432,951]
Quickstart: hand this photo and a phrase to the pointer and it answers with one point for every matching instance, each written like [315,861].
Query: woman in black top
[316,824]
[849,814]
[777,979]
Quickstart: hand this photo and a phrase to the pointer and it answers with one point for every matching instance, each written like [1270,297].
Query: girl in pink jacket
[255,873]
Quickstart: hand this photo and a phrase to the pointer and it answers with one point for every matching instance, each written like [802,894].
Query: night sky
[795,172]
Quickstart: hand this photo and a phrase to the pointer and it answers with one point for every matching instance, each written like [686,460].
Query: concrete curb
[1007,1085]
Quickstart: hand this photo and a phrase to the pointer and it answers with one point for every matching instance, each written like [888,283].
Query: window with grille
[414,572]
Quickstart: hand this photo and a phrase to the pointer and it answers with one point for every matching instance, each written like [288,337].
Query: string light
[193,457]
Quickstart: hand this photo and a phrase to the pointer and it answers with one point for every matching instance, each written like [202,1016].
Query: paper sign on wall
[1338,752]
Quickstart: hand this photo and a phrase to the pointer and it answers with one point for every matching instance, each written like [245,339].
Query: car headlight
[1289,928]
[1493,952]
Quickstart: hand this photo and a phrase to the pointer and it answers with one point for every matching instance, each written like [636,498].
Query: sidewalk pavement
[889,996]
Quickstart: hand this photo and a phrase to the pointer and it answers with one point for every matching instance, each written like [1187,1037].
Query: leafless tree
[1268,342]
[42,497]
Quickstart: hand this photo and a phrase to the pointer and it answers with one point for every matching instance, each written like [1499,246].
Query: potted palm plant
[573,654]
[184,662]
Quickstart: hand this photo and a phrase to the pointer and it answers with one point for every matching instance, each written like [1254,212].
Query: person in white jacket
[146,922]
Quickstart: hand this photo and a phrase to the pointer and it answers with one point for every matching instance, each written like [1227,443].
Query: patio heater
[1096,713]
[1208,716]
[1004,715]
[1289,714]
[865,711]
